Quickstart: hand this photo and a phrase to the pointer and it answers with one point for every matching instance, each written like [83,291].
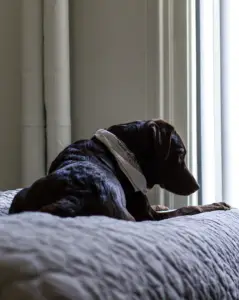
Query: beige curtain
[45,85]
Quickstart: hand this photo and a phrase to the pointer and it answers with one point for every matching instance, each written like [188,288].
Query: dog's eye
[181,156]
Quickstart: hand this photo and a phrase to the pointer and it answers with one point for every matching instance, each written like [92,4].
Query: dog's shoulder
[75,152]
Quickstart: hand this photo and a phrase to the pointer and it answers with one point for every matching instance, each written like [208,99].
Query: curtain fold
[33,144]
[219,90]
[230,94]
[46,123]
[56,76]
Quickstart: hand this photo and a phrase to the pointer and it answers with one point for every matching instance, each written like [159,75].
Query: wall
[113,62]
[10,94]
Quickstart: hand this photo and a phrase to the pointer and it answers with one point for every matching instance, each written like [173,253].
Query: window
[218,87]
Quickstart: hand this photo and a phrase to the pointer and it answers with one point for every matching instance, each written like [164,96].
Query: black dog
[87,178]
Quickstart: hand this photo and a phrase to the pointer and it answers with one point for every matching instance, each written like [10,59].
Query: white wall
[9,94]
[114,69]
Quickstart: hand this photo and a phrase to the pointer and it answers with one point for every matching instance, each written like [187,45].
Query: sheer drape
[230,99]
[45,85]
[219,89]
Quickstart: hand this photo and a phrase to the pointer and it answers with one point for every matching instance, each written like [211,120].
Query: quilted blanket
[98,258]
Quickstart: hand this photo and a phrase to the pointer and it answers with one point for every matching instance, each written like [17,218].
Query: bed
[98,258]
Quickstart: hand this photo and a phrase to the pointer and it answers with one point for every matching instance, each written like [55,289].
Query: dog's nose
[181,183]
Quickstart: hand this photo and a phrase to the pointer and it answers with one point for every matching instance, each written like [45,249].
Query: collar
[125,159]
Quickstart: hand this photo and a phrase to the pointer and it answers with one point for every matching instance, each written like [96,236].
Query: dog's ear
[161,133]
[170,170]
[155,148]
[174,175]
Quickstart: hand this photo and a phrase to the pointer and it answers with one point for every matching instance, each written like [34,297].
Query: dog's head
[160,153]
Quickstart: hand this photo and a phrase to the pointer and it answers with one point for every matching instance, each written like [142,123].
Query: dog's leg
[192,210]
[71,206]
[159,207]
[139,207]
[63,208]
[19,201]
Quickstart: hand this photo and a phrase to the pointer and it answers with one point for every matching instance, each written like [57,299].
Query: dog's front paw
[159,207]
[221,206]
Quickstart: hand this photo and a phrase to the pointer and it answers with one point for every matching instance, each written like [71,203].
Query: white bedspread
[91,258]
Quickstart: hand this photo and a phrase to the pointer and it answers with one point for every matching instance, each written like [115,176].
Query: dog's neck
[125,159]
[140,141]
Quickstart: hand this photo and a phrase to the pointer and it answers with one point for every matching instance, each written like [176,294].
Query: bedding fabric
[6,200]
[46,257]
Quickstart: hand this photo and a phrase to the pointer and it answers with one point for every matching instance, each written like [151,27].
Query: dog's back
[81,181]
[110,174]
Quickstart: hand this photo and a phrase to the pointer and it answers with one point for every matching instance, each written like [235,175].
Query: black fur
[85,178]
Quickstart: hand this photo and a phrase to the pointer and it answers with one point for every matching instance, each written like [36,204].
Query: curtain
[219,105]
[230,99]
[46,123]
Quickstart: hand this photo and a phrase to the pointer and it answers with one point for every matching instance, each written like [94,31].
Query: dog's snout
[181,182]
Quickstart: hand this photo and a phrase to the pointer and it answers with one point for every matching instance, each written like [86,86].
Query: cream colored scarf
[125,159]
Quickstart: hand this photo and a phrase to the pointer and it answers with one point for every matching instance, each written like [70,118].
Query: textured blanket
[6,200]
[91,258]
